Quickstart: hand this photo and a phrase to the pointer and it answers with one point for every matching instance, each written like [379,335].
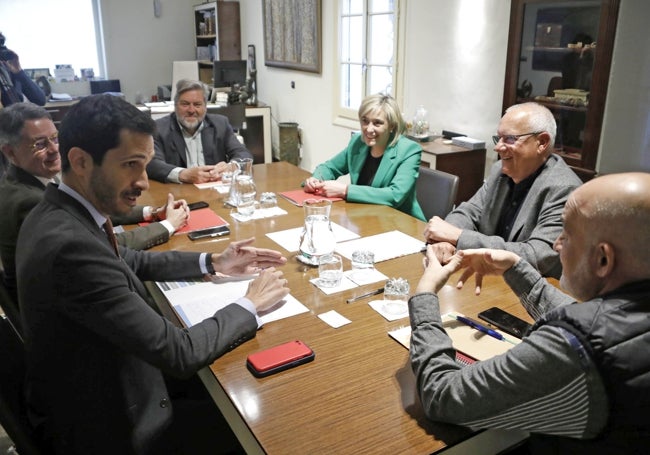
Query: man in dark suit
[192,147]
[519,207]
[98,355]
[29,140]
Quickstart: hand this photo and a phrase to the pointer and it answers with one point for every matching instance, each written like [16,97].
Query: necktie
[108,228]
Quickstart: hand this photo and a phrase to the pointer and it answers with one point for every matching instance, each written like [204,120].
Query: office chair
[13,413]
[436,192]
[236,114]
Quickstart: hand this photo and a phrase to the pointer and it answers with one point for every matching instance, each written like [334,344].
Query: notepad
[470,342]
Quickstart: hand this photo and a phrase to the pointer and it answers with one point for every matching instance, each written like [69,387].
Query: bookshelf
[217,35]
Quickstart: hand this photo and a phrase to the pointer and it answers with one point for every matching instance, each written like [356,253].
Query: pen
[367,294]
[481,328]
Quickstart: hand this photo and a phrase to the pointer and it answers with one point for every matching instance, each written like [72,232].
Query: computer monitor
[225,73]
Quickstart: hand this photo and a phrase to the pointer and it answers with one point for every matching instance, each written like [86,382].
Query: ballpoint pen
[482,328]
[367,294]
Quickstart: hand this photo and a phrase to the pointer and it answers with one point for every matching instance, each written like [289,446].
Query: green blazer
[394,182]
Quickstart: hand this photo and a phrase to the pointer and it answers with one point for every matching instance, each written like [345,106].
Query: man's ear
[544,140]
[605,259]
[80,161]
[8,151]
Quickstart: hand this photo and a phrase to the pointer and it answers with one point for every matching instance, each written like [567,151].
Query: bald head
[610,220]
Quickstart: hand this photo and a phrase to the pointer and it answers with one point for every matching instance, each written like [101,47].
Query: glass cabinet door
[559,54]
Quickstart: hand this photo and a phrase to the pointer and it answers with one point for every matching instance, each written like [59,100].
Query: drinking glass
[396,295]
[330,270]
[363,263]
[246,192]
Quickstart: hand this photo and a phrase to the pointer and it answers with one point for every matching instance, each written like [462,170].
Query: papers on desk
[196,300]
[258,214]
[388,245]
[469,341]
[289,239]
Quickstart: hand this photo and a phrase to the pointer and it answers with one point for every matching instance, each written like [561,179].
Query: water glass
[268,200]
[330,270]
[246,192]
[226,177]
[396,295]
[363,264]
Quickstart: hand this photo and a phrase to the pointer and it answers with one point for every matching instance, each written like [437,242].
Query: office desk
[358,395]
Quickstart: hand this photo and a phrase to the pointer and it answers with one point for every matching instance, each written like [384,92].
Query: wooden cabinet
[467,164]
[217,34]
[559,55]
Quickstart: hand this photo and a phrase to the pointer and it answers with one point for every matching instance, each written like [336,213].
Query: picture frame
[293,34]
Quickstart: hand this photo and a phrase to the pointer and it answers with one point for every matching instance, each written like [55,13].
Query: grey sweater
[538,386]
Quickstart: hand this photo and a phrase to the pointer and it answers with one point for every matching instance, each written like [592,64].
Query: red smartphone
[279,358]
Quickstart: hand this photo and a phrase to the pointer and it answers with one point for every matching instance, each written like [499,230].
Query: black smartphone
[218,231]
[198,205]
[505,321]
[279,358]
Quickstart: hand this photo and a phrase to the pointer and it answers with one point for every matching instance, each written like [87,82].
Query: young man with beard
[98,356]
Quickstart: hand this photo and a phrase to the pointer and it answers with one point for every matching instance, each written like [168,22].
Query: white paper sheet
[388,245]
[289,239]
[195,301]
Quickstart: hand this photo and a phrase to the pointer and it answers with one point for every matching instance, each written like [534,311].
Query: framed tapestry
[292,34]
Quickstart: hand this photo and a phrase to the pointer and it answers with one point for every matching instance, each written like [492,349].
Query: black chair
[13,414]
[436,192]
[236,114]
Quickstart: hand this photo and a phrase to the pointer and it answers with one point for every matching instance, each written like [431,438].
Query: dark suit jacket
[538,223]
[20,192]
[96,351]
[217,138]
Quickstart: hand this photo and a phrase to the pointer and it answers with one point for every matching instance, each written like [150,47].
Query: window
[367,52]
[45,34]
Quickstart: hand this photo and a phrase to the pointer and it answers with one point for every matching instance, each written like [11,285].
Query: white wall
[455,65]
[140,48]
[457,72]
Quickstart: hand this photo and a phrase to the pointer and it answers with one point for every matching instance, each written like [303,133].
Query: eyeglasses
[512,138]
[41,144]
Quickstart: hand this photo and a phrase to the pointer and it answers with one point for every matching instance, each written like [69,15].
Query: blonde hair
[388,106]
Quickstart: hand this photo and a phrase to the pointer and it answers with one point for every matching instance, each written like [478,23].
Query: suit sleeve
[143,237]
[94,291]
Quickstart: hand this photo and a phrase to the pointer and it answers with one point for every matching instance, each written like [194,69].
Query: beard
[112,201]
[190,123]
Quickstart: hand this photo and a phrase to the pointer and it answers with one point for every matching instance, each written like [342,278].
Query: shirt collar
[98,217]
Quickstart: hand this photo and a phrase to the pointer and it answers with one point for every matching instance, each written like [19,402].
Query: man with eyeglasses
[519,206]
[192,146]
[29,141]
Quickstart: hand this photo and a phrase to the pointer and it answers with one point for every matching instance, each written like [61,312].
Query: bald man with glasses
[519,206]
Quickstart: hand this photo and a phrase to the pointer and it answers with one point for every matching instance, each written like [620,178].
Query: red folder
[297,197]
[199,219]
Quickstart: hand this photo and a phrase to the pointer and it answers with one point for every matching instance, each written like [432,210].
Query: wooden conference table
[358,395]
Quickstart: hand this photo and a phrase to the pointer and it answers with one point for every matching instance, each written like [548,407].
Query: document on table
[196,300]
[289,239]
[388,245]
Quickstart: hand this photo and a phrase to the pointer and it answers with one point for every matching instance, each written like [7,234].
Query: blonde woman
[382,163]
